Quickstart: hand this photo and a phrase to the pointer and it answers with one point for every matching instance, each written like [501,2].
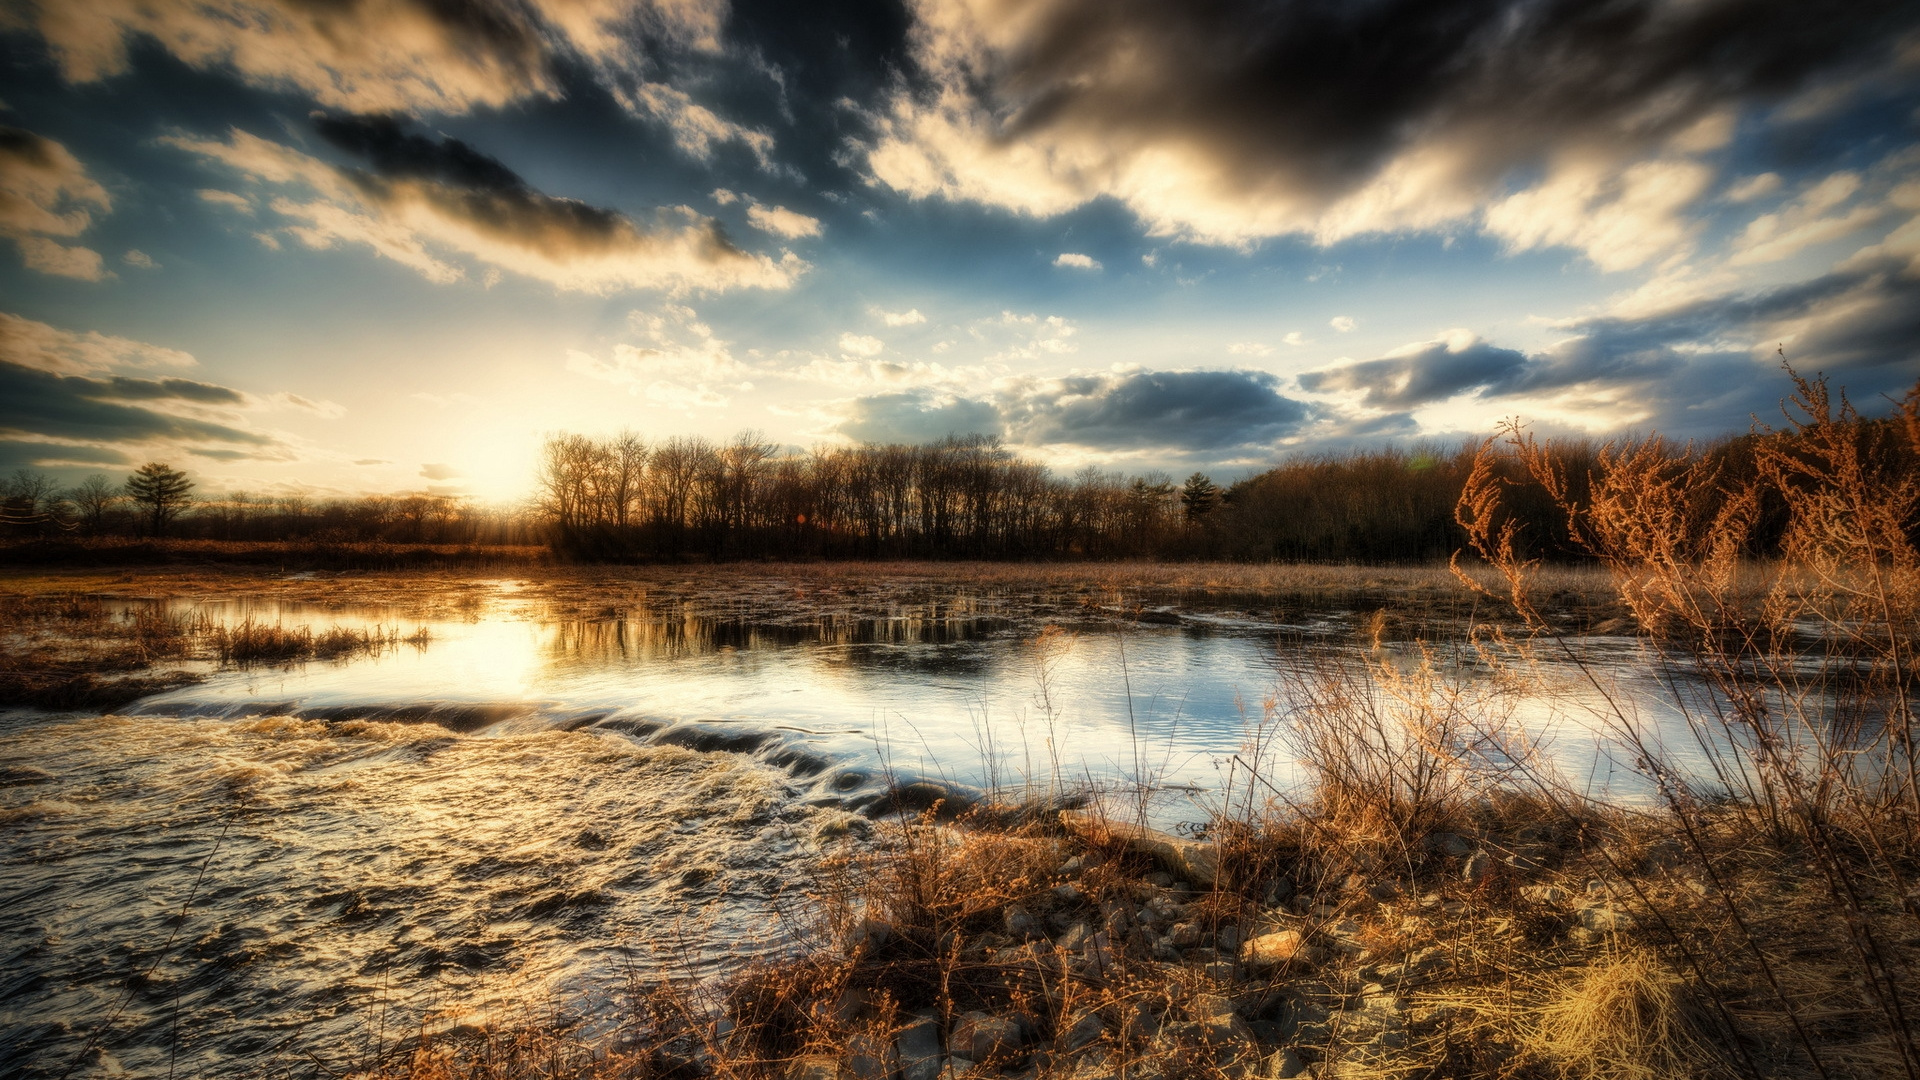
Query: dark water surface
[536,806]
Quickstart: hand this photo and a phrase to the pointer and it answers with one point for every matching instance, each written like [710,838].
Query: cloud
[90,395]
[1187,410]
[1230,122]
[1419,373]
[60,260]
[228,199]
[1701,366]
[396,55]
[422,201]
[861,345]
[1820,214]
[1250,348]
[1118,411]
[440,472]
[372,461]
[1026,337]
[1076,261]
[910,317]
[1295,338]
[781,221]
[682,365]
[29,344]
[917,416]
[139,260]
[45,192]
[1342,323]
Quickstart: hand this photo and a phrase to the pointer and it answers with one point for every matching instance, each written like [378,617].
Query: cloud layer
[44,193]
[423,201]
[1233,120]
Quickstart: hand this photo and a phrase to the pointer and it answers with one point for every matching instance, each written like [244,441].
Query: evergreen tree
[162,492]
[1199,496]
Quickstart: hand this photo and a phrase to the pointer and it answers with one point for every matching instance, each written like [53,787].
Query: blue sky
[388,245]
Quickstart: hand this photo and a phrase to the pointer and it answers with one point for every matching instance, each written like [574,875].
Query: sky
[364,246]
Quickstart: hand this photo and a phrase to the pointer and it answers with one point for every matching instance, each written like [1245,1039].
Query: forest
[623,498]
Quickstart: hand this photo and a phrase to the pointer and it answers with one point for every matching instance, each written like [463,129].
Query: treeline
[970,497]
[159,501]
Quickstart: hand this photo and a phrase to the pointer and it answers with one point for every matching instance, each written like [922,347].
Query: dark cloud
[1187,410]
[39,403]
[28,454]
[1430,372]
[917,416]
[1704,366]
[472,187]
[1175,412]
[122,388]
[1278,110]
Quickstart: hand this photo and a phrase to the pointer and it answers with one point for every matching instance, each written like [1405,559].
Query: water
[282,867]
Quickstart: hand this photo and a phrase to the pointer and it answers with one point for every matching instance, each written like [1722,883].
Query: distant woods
[159,500]
[627,498]
[623,498]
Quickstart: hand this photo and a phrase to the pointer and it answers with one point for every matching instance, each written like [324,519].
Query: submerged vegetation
[70,650]
[1435,900]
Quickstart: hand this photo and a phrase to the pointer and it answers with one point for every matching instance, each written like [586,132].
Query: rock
[1072,867]
[1160,879]
[1478,866]
[957,1068]
[1286,1065]
[1068,893]
[1605,920]
[872,933]
[1097,955]
[1551,895]
[987,1038]
[1228,938]
[1195,860]
[1221,971]
[1286,948]
[1082,1032]
[1452,845]
[813,1068]
[917,1047]
[1074,938]
[1021,925]
[1184,935]
[1279,891]
[1219,1022]
[869,1058]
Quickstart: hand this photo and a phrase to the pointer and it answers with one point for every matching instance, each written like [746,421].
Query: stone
[869,1058]
[1286,1065]
[987,1038]
[957,1068]
[1550,895]
[1219,1022]
[1183,935]
[1084,1031]
[1097,954]
[1452,845]
[1228,938]
[1160,878]
[1074,938]
[918,1049]
[1068,893]
[1072,866]
[1284,948]
[1020,923]
[813,1068]
[1221,971]
[1479,865]
[1196,860]
[872,933]
[1605,920]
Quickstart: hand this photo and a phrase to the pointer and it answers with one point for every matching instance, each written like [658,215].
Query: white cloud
[1619,218]
[140,259]
[61,260]
[227,199]
[861,345]
[781,221]
[909,317]
[1250,348]
[1754,187]
[1295,338]
[1342,323]
[1815,217]
[1076,261]
[682,365]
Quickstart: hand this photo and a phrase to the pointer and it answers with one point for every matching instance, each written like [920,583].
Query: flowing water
[282,867]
